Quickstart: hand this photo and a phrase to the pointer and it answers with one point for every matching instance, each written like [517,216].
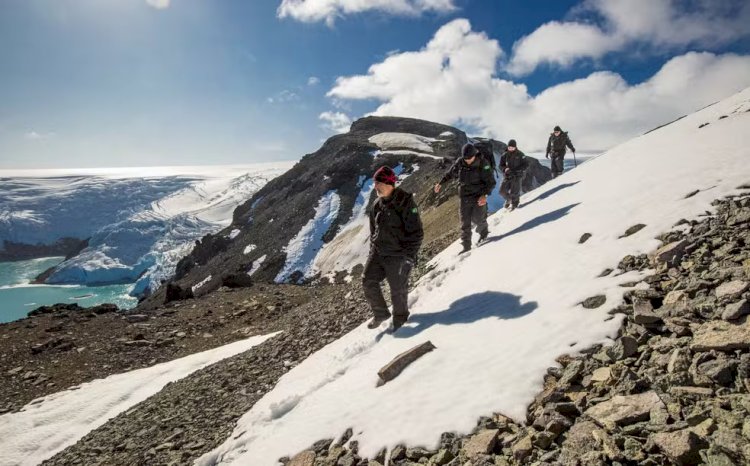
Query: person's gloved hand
[482,201]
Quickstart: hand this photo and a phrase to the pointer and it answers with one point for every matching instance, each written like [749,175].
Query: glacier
[140,221]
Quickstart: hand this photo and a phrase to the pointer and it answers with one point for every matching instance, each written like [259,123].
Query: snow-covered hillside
[50,424]
[500,315]
[140,221]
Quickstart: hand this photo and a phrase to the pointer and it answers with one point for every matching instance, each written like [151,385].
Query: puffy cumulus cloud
[328,10]
[159,4]
[453,80]
[337,122]
[654,25]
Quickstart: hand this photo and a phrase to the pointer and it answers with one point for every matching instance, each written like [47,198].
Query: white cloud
[654,25]
[600,110]
[36,136]
[336,121]
[283,97]
[159,4]
[313,81]
[310,11]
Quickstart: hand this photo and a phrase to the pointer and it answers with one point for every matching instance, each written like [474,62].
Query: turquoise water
[18,297]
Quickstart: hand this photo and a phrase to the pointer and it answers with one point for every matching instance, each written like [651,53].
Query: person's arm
[451,173]
[503,162]
[413,232]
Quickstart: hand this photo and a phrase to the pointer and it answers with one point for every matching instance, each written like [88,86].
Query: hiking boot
[398,322]
[467,248]
[482,239]
[376,321]
[507,204]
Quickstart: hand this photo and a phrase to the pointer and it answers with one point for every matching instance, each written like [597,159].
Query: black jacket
[474,180]
[516,161]
[395,226]
[556,144]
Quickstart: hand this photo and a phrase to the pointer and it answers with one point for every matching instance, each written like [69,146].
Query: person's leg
[504,191]
[515,194]
[397,271]
[373,274]
[465,214]
[479,215]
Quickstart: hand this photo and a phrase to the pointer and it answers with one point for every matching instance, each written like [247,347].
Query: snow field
[501,314]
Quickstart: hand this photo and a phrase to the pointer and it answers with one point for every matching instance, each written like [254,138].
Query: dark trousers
[396,270]
[471,212]
[557,164]
[510,189]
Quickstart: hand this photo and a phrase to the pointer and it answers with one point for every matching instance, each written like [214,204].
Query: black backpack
[485,150]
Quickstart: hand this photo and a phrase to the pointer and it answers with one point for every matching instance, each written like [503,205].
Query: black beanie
[557,128]
[468,151]
[512,143]
[385,174]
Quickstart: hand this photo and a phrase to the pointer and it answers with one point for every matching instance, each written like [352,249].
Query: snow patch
[234,233]
[256,265]
[302,249]
[198,285]
[500,315]
[249,248]
[48,425]
[388,141]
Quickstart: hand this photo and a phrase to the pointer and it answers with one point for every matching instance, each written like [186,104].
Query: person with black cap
[476,182]
[558,141]
[395,237]
[513,165]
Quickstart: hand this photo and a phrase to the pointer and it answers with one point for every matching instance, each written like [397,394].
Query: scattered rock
[721,336]
[736,310]
[584,237]
[681,446]
[732,290]
[633,230]
[305,458]
[594,302]
[624,410]
[481,444]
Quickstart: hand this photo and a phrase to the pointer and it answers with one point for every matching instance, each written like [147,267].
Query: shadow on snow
[469,309]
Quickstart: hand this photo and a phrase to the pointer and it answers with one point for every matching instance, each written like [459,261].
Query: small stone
[584,237]
[594,302]
[672,253]
[602,374]
[624,410]
[523,448]
[643,313]
[633,230]
[305,458]
[608,445]
[674,297]
[732,290]
[415,454]
[736,310]
[625,347]
[165,446]
[482,443]
[721,336]
[442,457]
[681,446]
[15,370]
[571,373]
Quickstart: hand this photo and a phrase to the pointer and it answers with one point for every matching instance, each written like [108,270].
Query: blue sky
[89,83]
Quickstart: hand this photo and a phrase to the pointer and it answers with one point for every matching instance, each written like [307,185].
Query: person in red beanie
[395,237]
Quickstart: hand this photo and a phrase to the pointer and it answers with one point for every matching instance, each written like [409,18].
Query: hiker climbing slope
[476,182]
[513,165]
[556,147]
[395,237]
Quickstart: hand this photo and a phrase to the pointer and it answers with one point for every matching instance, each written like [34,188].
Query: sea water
[18,296]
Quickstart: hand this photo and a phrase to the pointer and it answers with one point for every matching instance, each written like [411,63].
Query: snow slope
[500,315]
[141,221]
[49,425]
